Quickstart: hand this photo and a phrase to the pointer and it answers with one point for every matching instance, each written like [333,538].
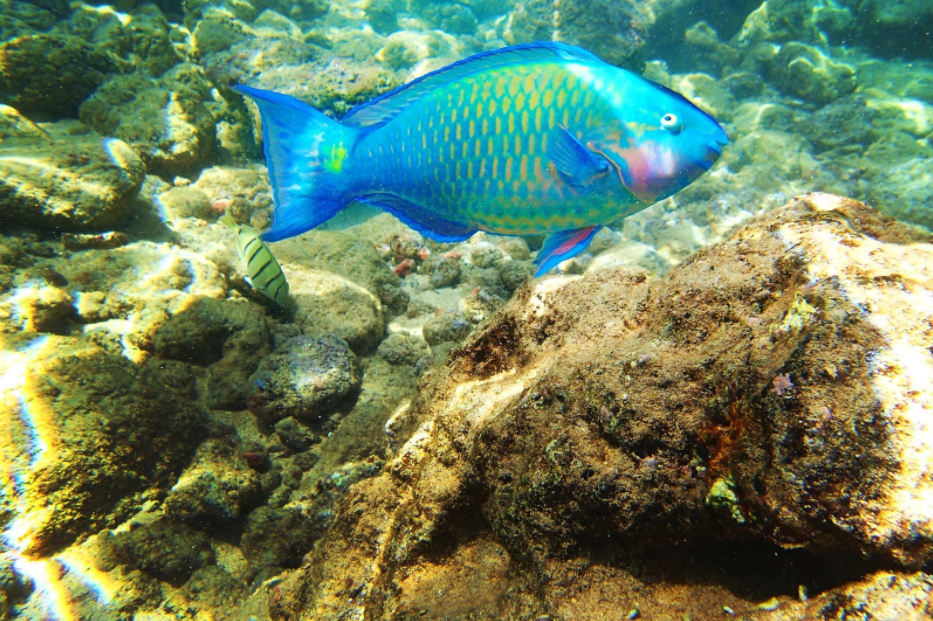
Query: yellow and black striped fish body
[263,272]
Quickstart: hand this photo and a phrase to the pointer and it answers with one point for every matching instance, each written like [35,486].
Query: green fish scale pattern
[476,151]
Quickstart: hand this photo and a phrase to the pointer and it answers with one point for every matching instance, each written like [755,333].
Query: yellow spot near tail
[334,161]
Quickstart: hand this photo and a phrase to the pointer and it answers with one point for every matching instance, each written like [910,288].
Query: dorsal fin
[387,106]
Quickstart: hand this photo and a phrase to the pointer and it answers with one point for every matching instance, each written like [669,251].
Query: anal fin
[562,246]
[415,216]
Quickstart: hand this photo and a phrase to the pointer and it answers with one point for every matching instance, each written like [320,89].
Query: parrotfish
[528,139]
[263,271]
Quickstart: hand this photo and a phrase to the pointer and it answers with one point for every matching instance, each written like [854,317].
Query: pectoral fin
[577,164]
[562,246]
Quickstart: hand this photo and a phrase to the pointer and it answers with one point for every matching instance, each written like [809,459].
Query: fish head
[660,142]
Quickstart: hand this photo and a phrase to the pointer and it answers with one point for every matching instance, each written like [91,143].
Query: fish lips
[713,151]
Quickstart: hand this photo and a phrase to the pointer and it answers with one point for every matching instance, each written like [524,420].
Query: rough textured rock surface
[229,339]
[165,119]
[306,378]
[49,75]
[617,32]
[100,431]
[218,486]
[70,179]
[606,440]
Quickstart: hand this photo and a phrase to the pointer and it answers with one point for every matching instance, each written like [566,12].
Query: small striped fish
[263,272]
[538,138]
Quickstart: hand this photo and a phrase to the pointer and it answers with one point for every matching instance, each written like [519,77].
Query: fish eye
[671,122]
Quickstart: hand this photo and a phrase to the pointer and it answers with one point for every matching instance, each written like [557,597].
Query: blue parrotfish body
[529,139]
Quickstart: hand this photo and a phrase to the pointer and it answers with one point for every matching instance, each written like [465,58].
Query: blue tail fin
[306,154]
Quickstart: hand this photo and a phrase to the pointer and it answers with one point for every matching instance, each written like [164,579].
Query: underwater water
[531,337]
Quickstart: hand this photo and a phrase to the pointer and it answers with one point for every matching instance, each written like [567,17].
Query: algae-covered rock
[49,75]
[905,190]
[219,485]
[813,75]
[294,435]
[165,119]
[139,41]
[17,18]
[341,286]
[279,537]
[895,27]
[446,327]
[403,348]
[766,395]
[228,338]
[107,431]
[307,378]
[186,202]
[15,125]
[614,31]
[73,180]
[163,548]
[332,84]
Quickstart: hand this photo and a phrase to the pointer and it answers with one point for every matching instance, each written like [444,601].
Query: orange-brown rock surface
[753,427]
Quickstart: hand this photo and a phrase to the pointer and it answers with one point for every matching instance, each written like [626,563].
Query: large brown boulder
[756,422]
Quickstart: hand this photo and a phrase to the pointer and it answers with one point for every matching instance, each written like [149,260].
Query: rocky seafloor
[723,409]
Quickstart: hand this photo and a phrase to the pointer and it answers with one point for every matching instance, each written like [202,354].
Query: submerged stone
[106,430]
[70,179]
[307,378]
[768,390]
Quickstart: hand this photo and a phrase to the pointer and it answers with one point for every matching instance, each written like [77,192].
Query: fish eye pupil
[671,122]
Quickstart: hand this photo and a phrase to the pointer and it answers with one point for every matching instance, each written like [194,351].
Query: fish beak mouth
[714,150]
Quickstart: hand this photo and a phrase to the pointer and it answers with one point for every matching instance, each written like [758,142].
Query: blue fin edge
[562,246]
